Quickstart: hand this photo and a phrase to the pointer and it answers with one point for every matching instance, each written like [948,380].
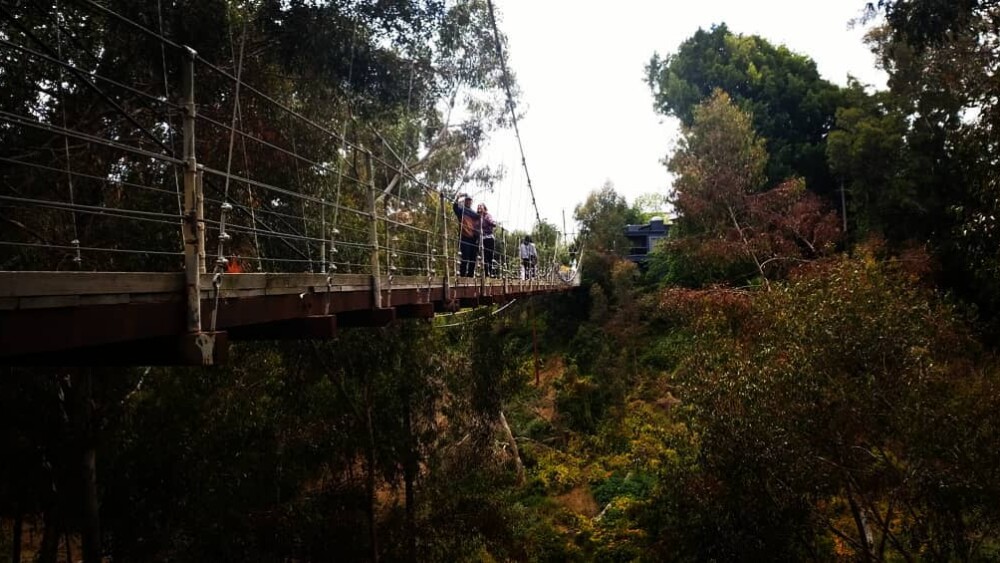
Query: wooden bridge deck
[128,318]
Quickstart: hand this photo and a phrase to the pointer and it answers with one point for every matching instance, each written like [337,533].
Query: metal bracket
[206,343]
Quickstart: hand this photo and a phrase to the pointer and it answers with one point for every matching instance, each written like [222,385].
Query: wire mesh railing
[193,167]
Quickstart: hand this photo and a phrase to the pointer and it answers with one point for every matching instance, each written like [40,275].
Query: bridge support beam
[448,302]
[373,237]
[204,349]
[196,347]
[415,311]
[367,318]
[159,351]
[190,224]
[491,299]
[446,306]
[95,318]
[319,327]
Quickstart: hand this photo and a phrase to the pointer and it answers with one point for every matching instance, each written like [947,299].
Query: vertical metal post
[505,268]
[564,240]
[373,237]
[390,252]
[193,224]
[199,201]
[444,250]
[429,262]
[482,260]
[322,246]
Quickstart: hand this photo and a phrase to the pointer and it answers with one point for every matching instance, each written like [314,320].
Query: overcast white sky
[588,112]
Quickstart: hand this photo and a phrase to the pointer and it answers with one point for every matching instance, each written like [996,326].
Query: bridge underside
[92,318]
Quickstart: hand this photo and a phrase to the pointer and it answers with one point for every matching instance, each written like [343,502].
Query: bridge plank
[50,326]
[49,302]
[319,327]
[25,284]
[415,311]
[52,284]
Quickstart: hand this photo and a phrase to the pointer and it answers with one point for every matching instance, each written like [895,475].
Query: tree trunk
[861,522]
[50,538]
[534,346]
[16,540]
[409,475]
[91,519]
[82,388]
[372,532]
[509,436]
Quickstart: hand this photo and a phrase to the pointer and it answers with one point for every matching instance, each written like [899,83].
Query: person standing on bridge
[529,257]
[487,225]
[470,231]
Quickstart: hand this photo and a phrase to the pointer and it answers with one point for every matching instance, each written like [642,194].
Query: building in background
[643,238]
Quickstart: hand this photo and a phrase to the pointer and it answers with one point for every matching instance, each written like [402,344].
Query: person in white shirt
[529,258]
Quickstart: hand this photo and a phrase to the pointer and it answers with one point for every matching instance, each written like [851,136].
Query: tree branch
[26,229]
[747,247]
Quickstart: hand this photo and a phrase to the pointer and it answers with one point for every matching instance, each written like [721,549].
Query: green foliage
[792,107]
[545,235]
[274,456]
[846,413]
[580,402]
[867,152]
[602,218]
[384,67]
[540,539]
[796,418]
[939,60]
[672,264]
[634,486]
[719,158]
[650,205]
[588,346]
[925,23]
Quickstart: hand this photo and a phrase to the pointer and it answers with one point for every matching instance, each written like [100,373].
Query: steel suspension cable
[220,260]
[83,78]
[170,114]
[403,170]
[78,259]
[91,248]
[77,70]
[250,198]
[305,225]
[342,153]
[84,175]
[505,78]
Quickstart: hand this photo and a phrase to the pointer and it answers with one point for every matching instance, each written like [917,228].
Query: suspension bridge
[153,221]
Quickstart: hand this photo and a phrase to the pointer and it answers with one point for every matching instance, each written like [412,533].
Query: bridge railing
[191,167]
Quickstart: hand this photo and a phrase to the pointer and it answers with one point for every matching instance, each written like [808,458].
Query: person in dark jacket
[487,225]
[469,244]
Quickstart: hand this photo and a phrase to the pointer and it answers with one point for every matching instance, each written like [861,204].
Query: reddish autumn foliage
[726,221]
[790,222]
[702,306]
